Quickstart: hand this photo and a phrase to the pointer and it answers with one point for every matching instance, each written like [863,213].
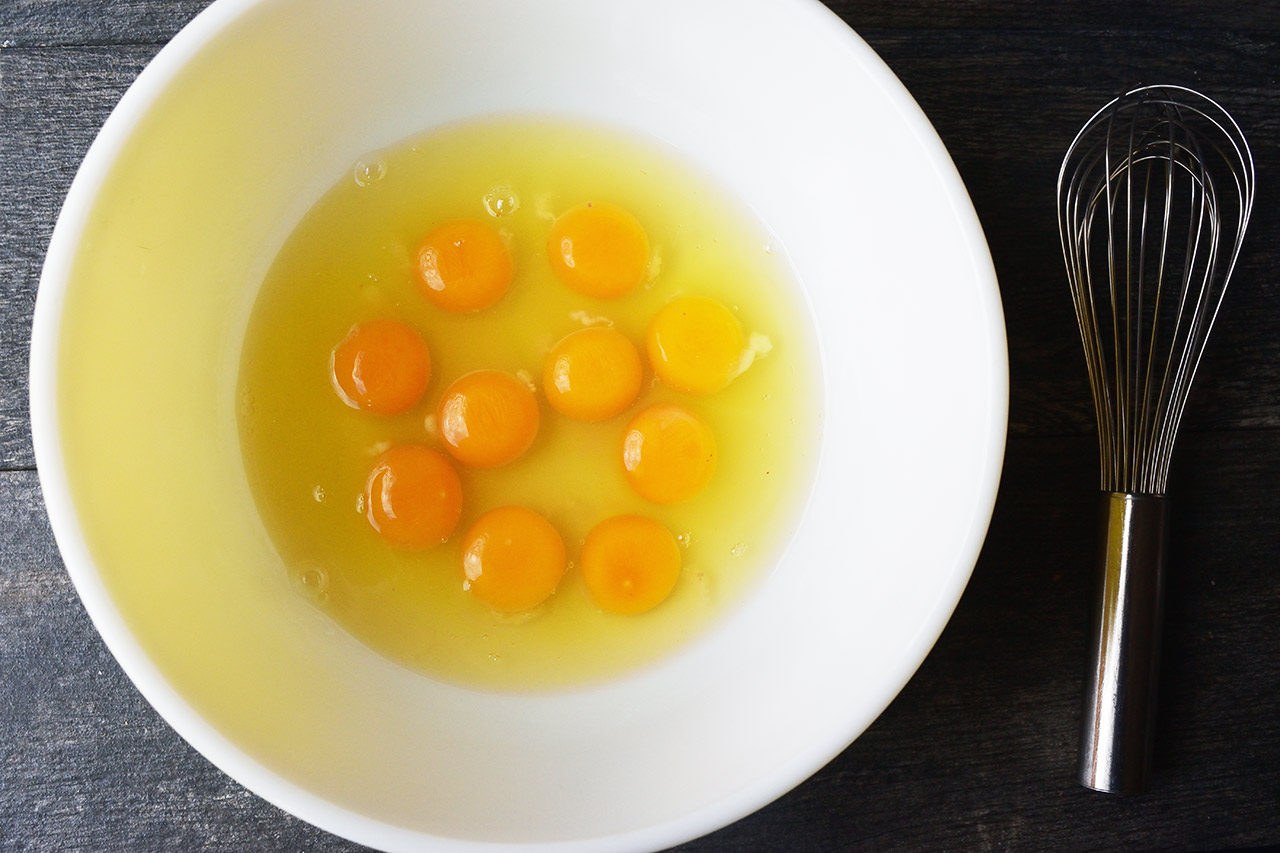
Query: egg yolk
[695,344]
[413,496]
[381,367]
[463,266]
[630,563]
[599,250]
[592,374]
[668,454]
[488,418]
[512,559]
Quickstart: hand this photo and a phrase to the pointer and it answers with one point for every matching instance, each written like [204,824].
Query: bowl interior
[218,150]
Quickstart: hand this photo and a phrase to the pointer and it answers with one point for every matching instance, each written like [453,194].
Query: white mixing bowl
[216,152]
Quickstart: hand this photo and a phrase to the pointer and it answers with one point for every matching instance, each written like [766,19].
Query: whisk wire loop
[1150,241]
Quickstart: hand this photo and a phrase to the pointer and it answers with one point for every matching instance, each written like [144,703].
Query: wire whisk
[1154,197]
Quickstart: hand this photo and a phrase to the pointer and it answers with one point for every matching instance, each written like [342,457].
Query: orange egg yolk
[413,496]
[599,250]
[630,563]
[592,374]
[695,344]
[463,266]
[668,454]
[512,559]
[488,418]
[381,367]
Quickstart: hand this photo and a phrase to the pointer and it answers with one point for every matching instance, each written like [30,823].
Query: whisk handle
[1120,689]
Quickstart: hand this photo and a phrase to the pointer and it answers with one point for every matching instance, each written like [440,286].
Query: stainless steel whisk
[1154,197]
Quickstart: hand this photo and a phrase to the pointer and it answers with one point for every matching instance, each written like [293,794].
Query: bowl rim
[121,123]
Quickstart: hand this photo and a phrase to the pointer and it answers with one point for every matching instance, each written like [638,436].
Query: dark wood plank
[1013,15]
[52,103]
[46,23]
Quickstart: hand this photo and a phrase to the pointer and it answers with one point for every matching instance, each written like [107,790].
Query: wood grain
[59,23]
[52,23]
[977,751]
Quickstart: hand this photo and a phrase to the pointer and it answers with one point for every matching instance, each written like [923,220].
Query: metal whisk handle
[1120,689]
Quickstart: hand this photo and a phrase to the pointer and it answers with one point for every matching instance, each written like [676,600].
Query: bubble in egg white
[501,201]
[370,170]
[313,582]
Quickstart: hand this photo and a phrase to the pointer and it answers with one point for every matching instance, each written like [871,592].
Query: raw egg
[512,559]
[413,497]
[381,367]
[592,374]
[668,453]
[695,344]
[463,266]
[630,563]
[532,257]
[488,418]
[599,249]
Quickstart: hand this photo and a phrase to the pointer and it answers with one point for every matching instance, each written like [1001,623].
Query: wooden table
[977,751]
